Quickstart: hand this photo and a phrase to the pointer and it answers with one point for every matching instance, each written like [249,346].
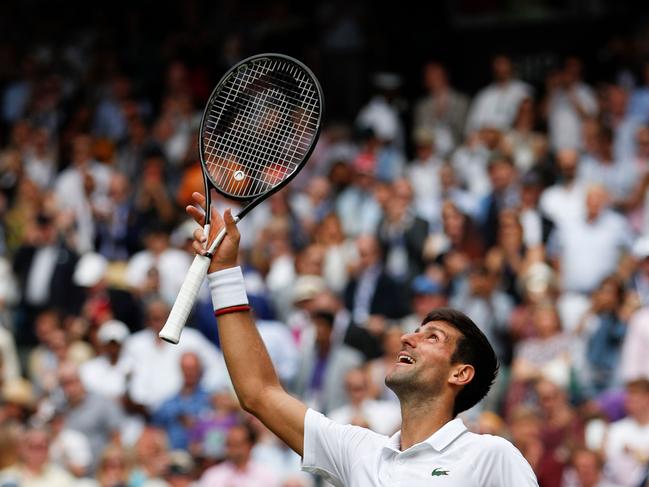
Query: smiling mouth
[404,358]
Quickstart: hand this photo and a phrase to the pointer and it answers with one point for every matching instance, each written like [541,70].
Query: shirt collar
[438,440]
[446,434]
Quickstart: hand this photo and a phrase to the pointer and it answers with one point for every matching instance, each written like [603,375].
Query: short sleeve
[331,449]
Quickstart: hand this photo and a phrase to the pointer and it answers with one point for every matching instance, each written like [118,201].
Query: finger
[199,199]
[230,224]
[198,247]
[196,213]
[199,236]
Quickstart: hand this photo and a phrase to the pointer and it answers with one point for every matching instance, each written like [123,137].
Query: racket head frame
[248,203]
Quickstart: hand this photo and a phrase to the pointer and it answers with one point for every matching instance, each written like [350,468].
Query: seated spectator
[94,416]
[35,468]
[178,414]
[153,359]
[564,201]
[487,305]
[381,416]
[238,468]
[113,468]
[601,331]
[106,374]
[626,447]
[322,363]
[582,264]
[496,104]
[151,459]
[371,290]
[523,142]
[401,234]
[525,425]
[586,470]
[548,354]
[563,429]
[443,110]
[570,101]
[171,264]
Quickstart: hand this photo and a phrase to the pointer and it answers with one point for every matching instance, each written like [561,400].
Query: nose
[409,339]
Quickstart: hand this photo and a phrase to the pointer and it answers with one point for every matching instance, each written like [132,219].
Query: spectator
[322,363]
[170,263]
[92,415]
[177,414]
[238,468]
[372,291]
[112,470]
[381,416]
[564,201]
[151,459]
[106,375]
[443,110]
[402,234]
[526,145]
[570,101]
[504,195]
[153,359]
[496,105]
[586,470]
[582,265]
[602,330]
[35,469]
[627,442]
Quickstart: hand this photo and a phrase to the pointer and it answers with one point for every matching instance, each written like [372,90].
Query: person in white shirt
[496,105]
[171,264]
[627,442]
[564,201]
[106,374]
[156,373]
[570,101]
[445,367]
[379,415]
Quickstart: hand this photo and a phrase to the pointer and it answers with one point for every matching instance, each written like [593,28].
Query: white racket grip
[185,300]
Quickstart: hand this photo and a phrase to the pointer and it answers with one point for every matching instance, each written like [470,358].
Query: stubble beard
[408,385]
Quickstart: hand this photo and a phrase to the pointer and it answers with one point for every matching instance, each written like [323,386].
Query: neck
[422,418]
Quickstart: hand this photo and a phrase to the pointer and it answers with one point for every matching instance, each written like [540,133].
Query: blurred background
[487,155]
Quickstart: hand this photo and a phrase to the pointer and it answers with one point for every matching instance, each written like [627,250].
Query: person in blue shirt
[177,414]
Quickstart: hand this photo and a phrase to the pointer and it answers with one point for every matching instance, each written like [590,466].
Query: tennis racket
[259,128]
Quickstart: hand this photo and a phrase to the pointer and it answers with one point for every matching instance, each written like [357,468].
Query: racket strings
[274,146]
[260,126]
[253,136]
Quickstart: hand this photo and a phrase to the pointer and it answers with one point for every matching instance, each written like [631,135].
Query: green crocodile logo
[438,472]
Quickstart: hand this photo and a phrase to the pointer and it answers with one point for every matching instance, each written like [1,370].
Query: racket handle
[185,300]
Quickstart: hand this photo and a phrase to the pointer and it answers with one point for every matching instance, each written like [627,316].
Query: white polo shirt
[350,456]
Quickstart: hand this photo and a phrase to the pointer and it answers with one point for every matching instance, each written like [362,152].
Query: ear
[461,374]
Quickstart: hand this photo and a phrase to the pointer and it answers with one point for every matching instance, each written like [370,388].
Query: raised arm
[251,370]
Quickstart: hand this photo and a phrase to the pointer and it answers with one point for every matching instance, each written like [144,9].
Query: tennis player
[445,367]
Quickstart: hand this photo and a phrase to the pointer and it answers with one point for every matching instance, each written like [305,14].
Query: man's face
[424,362]
[238,446]
[587,468]
[636,401]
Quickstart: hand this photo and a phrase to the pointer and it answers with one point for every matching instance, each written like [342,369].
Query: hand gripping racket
[259,127]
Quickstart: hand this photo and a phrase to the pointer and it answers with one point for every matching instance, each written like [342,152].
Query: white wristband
[227,288]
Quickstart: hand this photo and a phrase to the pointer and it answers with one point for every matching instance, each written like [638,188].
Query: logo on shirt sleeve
[438,472]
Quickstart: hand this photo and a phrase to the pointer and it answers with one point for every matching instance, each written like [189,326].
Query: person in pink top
[239,469]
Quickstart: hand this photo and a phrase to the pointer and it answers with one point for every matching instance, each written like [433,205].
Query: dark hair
[472,348]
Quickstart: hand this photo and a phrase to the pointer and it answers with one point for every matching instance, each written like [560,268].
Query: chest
[424,468]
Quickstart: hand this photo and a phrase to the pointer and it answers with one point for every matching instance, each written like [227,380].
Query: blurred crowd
[525,206]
